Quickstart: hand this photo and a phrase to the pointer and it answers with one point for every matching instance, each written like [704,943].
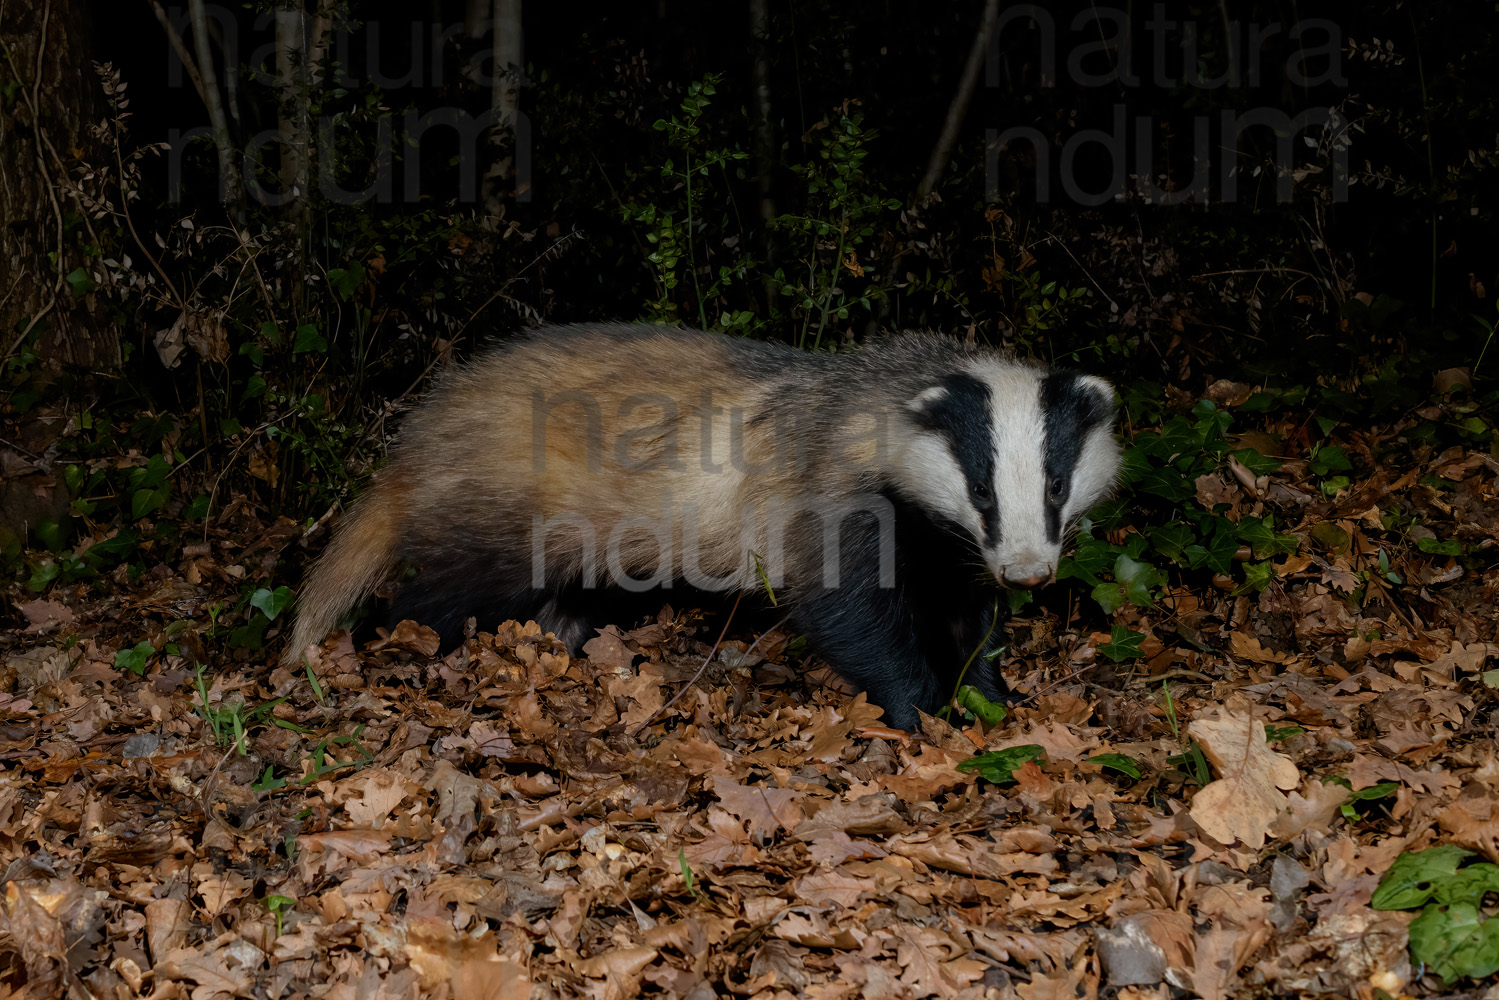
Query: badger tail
[363,552]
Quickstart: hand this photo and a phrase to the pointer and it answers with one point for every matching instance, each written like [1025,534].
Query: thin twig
[180,47]
[1068,251]
[695,677]
[958,110]
[29,327]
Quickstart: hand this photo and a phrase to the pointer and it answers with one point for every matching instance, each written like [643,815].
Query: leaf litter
[1201,798]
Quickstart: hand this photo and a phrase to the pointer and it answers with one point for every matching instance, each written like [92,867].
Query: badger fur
[873,491]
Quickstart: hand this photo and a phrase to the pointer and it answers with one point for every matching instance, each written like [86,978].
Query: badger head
[1012,456]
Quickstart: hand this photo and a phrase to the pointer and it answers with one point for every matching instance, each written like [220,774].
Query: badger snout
[1025,569]
[1026,578]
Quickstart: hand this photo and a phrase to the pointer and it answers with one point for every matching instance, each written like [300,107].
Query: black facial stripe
[1072,410]
[961,415]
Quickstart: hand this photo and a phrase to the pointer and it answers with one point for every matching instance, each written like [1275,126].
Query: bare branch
[180,47]
[959,108]
[229,179]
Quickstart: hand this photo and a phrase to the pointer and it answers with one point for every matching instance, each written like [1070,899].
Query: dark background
[324,319]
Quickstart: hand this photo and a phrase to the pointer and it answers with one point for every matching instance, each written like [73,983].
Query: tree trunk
[291,57]
[476,18]
[508,72]
[959,107]
[231,188]
[301,44]
[765,139]
[46,53]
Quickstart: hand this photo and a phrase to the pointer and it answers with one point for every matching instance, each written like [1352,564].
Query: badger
[877,494]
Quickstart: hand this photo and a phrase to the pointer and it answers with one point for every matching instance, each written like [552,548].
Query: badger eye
[981,491]
[1056,488]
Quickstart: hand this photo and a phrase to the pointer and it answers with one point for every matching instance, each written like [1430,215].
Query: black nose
[1026,582]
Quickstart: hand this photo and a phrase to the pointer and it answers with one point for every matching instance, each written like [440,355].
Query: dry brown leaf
[410,636]
[837,887]
[1247,647]
[1368,769]
[1246,799]
[974,856]
[1473,820]
[765,808]
[933,963]
[371,796]
[608,651]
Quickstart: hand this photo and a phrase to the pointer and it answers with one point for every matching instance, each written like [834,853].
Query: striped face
[1014,455]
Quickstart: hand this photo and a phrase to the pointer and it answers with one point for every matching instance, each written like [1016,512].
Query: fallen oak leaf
[608,651]
[1018,850]
[838,888]
[933,964]
[42,615]
[1368,770]
[410,636]
[620,969]
[1247,798]
[764,808]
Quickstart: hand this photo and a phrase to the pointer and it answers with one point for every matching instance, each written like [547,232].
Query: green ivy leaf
[1409,881]
[1091,558]
[1260,465]
[52,533]
[111,549]
[197,510]
[1329,458]
[1434,547]
[250,635]
[999,766]
[271,602]
[1260,535]
[1118,762]
[79,282]
[1123,644]
[1168,484]
[153,473]
[1137,578]
[43,574]
[135,658]
[1171,540]
[1455,941]
[308,339]
[972,701]
[1257,577]
[1331,537]
[143,502]
[345,281]
[1217,554]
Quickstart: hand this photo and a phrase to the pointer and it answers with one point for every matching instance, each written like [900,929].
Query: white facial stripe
[1097,466]
[934,477]
[1019,471]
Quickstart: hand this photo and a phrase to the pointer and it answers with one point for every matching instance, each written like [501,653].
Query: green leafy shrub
[1455,935]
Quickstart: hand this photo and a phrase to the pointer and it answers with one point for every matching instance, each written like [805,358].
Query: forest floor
[1209,818]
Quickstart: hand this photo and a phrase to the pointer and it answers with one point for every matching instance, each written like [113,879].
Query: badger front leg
[869,635]
[978,636]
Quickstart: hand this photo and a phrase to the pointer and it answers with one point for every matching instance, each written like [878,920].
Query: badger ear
[1103,390]
[927,400]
